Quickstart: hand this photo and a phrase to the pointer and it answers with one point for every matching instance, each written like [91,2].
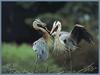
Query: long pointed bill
[47,29]
[52,30]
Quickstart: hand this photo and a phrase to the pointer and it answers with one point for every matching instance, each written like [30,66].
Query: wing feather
[79,33]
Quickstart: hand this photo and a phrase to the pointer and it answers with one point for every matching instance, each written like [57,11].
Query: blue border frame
[48,73]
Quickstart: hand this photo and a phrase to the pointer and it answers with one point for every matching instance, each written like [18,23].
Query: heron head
[39,22]
[56,27]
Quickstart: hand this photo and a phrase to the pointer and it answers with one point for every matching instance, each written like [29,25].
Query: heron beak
[52,30]
[47,29]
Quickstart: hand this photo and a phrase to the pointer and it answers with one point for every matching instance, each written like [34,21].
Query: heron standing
[69,40]
[42,45]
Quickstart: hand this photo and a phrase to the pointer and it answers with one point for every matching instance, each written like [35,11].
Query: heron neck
[58,44]
[46,35]
[57,36]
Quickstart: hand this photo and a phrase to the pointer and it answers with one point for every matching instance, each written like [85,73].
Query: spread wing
[79,33]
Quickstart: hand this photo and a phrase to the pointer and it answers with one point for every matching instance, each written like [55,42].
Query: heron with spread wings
[67,41]
[70,40]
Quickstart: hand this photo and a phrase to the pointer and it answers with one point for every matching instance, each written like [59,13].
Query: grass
[22,59]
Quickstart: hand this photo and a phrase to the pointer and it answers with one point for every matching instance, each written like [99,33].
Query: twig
[86,68]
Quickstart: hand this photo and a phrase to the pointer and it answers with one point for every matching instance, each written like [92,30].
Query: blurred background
[18,35]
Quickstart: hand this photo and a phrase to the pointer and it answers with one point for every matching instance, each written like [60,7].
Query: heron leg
[70,56]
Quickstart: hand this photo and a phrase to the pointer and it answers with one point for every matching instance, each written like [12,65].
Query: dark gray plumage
[79,33]
[73,38]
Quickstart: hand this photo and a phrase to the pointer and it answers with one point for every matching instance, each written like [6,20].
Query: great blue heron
[70,39]
[42,45]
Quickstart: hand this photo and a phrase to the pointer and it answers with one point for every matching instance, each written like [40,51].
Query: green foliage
[21,59]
